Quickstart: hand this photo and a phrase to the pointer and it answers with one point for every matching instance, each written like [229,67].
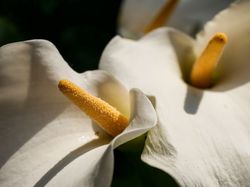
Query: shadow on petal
[192,100]
[183,47]
[68,159]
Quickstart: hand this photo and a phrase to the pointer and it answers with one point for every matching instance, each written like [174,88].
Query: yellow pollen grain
[205,65]
[162,17]
[110,119]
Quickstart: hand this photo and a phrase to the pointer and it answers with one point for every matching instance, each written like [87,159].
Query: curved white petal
[143,118]
[202,137]
[189,16]
[234,65]
[41,131]
[149,61]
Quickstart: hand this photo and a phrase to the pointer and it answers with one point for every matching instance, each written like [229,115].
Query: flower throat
[202,71]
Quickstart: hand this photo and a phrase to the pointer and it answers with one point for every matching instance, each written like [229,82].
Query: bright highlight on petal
[203,68]
[162,17]
[110,119]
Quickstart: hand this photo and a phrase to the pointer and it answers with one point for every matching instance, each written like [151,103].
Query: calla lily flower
[188,16]
[203,135]
[45,139]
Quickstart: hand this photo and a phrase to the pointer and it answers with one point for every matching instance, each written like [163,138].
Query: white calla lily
[203,135]
[189,15]
[45,140]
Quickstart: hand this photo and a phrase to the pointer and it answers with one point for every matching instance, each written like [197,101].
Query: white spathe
[189,16]
[44,139]
[203,136]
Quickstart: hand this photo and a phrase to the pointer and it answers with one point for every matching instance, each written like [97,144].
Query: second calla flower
[203,135]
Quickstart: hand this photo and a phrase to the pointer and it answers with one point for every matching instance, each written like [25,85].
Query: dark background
[80,29]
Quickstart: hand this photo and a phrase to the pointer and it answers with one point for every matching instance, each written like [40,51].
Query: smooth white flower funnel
[203,135]
[43,134]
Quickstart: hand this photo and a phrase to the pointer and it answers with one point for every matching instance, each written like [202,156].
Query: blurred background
[79,29]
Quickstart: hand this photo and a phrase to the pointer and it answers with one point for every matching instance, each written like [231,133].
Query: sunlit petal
[148,61]
[202,136]
[41,131]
